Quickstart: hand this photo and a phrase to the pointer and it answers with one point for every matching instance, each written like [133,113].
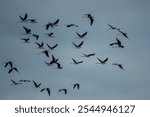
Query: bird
[32,20]
[65,91]
[15,83]
[123,33]
[81,35]
[119,65]
[90,17]
[102,61]
[46,52]
[51,34]
[25,80]
[71,25]
[26,40]
[35,84]
[79,45]
[54,60]
[8,63]
[77,85]
[52,24]
[77,62]
[13,68]
[24,19]
[59,65]
[118,43]
[40,46]
[27,30]
[36,36]
[88,55]
[53,47]
[112,27]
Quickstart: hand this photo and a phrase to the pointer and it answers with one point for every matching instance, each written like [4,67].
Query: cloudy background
[97,81]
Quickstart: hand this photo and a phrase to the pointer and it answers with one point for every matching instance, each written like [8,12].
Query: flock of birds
[55,61]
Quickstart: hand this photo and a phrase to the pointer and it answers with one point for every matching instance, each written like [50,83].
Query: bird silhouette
[77,85]
[79,45]
[51,34]
[112,27]
[90,17]
[119,65]
[65,91]
[32,20]
[77,62]
[53,47]
[118,43]
[24,19]
[9,63]
[25,80]
[36,85]
[15,83]
[46,52]
[26,40]
[53,61]
[81,35]
[52,24]
[27,30]
[88,55]
[40,46]
[13,68]
[71,25]
[36,36]
[123,33]
[102,61]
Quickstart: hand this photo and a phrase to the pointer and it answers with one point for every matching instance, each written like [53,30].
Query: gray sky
[97,81]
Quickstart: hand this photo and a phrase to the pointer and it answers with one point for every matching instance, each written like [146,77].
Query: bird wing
[38,44]
[92,20]
[13,81]
[34,83]
[99,59]
[75,44]
[16,69]
[105,60]
[48,91]
[54,46]
[56,22]
[84,34]
[25,17]
[78,34]
[74,60]
[42,90]
[10,70]
[118,41]
[49,46]
[80,44]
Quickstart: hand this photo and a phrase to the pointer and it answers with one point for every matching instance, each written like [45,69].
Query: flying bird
[51,34]
[81,35]
[13,68]
[77,62]
[88,55]
[118,43]
[52,24]
[123,33]
[53,61]
[65,91]
[40,46]
[90,17]
[53,47]
[59,65]
[112,27]
[79,45]
[46,52]
[35,84]
[102,61]
[32,20]
[23,19]
[25,80]
[15,83]
[26,40]
[119,65]
[71,25]
[77,85]
[27,30]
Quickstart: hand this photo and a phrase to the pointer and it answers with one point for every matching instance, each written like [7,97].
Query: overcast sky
[97,81]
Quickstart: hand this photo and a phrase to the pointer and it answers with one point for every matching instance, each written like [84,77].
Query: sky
[96,81]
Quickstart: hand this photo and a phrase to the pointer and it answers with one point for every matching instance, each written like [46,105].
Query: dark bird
[81,35]
[32,20]
[59,65]
[48,91]
[15,83]
[52,24]
[36,36]
[90,17]
[71,25]
[123,33]
[40,45]
[77,62]
[51,34]
[53,61]
[46,52]
[118,43]
[25,80]
[23,19]
[102,61]
[119,65]
[53,47]
[65,90]
[88,55]
[112,27]
[27,30]
[13,68]
[8,63]
[79,45]
[77,85]
[36,85]
[26,40]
